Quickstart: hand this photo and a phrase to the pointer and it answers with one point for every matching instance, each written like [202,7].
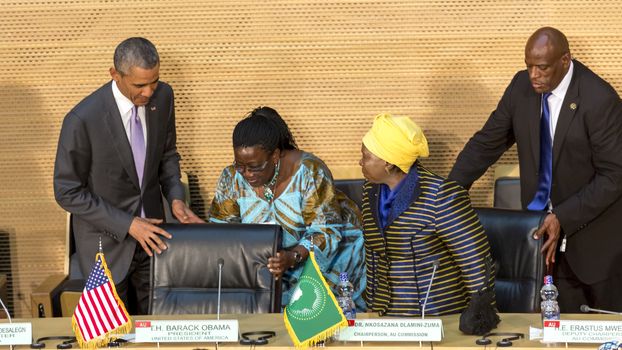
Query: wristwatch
[297,257]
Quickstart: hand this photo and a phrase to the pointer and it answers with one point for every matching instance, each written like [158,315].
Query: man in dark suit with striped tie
[116,155]
[567,124]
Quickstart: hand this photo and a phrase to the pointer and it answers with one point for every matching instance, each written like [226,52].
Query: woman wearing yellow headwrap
[413,220]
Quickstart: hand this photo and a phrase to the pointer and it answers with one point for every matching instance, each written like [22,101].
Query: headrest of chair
[194,251]
[353,188]
[508,222]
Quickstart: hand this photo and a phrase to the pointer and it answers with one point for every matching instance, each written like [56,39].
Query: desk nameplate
[187,331]
[581,331]
[393,329]
[16,333]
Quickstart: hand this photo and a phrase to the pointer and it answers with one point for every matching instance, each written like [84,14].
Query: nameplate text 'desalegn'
[15,333]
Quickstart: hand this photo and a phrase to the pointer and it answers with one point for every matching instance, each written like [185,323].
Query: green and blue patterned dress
[310,206]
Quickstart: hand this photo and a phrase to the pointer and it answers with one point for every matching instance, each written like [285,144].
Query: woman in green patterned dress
[272,181]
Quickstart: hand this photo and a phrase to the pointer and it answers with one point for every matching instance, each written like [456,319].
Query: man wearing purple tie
[567,124]
[116,154]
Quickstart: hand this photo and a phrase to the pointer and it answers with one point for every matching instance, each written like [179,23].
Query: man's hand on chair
[147,234]
[184,214]
[552,228]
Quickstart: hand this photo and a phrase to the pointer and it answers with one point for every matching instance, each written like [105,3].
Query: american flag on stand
[99,311]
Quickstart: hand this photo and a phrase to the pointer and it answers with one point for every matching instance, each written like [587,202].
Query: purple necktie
[138,147]
[138,144]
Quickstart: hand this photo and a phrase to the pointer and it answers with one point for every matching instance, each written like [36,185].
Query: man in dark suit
[567,124]
[116,155]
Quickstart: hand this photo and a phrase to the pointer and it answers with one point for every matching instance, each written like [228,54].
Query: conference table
[453,338]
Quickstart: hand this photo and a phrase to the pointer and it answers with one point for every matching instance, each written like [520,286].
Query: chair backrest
[518,261]
[184,278]
[353,188]
[507,186]
[507,193]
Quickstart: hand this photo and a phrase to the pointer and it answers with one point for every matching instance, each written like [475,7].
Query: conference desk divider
[453,339]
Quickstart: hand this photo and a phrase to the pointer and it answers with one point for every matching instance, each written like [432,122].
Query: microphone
[8,316]
[435,265]
[585,308]
[220,263]
[6,311]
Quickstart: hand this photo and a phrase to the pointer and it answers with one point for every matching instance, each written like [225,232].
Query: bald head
[547,57]
[550,37]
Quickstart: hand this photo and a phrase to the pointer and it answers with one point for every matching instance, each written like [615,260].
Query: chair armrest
[41,297]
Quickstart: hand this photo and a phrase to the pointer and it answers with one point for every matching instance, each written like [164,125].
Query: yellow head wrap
[397,140]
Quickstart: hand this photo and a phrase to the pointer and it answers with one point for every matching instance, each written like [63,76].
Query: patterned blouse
[309,207]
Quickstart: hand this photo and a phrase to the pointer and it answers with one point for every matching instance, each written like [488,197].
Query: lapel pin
[573,106]
[153,107]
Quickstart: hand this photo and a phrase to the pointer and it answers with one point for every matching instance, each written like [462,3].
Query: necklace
[267,188]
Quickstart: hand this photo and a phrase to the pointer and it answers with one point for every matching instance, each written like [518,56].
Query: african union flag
[312,314]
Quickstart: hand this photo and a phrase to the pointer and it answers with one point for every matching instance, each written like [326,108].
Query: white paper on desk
[393,329]
[582,331]
[535,333]
[19,333]
[130,337]
[186,331]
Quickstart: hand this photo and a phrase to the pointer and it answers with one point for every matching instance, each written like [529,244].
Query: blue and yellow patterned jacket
[430,219]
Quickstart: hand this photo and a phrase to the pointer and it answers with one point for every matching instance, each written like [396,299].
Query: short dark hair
[135,52]
[265,128]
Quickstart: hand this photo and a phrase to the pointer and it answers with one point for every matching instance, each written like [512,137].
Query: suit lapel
[151,118]
[534,114]
[118,135]
[566,114]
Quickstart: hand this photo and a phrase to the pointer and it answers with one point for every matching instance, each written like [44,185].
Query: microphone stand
[585,308]
[8,316]
[435,264]
[221,262]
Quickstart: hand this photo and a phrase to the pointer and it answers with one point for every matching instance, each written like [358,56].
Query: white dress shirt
[557,98]
[125,109]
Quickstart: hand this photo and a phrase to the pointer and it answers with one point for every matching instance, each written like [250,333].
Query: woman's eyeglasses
[251,169]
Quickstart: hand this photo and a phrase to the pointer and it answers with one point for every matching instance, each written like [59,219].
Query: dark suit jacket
[95,177]
[587,164]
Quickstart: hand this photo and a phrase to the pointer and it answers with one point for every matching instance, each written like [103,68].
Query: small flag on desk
[313,314]
[99,312]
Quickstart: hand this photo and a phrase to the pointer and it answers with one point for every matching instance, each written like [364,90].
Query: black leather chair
[353,188]
[184,278]
[58,294]
[518,261]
